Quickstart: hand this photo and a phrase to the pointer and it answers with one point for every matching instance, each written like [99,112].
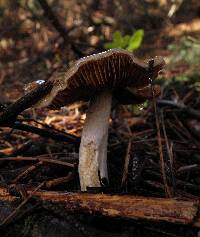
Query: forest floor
[31,49]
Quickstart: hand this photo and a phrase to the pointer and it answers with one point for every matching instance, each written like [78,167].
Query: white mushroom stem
[93,147]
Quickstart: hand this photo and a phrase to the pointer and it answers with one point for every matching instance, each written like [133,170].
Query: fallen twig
[9,218]
[181,106]
[61,180]
[26,172]
[162,162]
[188,168]
[126,164]
[170,156]
[9,114]
[38,158]
[49,133]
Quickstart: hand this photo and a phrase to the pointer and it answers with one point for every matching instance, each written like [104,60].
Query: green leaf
[109,45]
[135,40]
[125,42]
[182,78]
[117,41]
[117,36]
[197,86]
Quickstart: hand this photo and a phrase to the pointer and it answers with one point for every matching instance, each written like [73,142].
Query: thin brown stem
[10,217]
[45,160]
[162,162]
[27,172]
[126,164]
[170,154]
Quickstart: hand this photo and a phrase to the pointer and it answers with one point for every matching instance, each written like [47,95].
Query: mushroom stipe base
[93,147]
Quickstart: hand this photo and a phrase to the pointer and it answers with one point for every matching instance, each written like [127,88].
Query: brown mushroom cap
[112,69]
[136,96]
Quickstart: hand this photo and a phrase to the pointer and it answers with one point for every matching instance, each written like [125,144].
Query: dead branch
[121,206]
[155,209]
[49,133]
[181,106]
[9,114]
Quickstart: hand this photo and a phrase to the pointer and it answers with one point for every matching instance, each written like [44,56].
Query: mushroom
[95,79]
